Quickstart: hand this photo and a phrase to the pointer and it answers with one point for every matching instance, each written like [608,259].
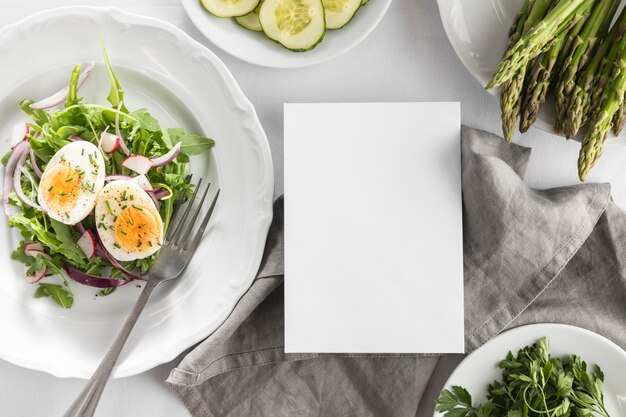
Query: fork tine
[172,234]
[191,246]
[182,238]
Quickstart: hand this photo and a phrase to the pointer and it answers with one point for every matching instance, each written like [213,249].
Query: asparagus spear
[540,38]
[596,27]
[613,96]
[602,78]
[619,118]
[578,110]
[515,32]
[511,90]
[538,84]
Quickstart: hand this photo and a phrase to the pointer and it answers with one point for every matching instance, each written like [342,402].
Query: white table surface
[407,58]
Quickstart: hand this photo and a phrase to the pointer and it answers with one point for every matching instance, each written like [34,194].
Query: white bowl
[256,48]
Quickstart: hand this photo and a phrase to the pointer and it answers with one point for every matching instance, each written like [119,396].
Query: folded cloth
[529,256]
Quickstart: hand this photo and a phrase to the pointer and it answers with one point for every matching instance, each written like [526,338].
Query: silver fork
[179,245]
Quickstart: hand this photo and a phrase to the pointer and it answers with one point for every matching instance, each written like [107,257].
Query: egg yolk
[61,187]
[137,229]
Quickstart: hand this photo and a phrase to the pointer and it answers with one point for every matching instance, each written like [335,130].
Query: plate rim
[266,181]
[530,327]
[307,62]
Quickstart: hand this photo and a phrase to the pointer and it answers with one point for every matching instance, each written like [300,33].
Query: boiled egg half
[128,222]
[71,181]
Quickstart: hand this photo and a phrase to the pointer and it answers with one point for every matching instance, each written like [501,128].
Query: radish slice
[9,172]
[167,158]
[37,275]
[143,182]
[33,249]
[117,129]
[87,243]
[61,95]
[139,164]
[109,142]
[17,182]
[92,280]
[118,177]
[33,162]
[20,134]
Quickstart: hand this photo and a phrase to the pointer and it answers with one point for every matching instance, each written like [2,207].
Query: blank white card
[373,228]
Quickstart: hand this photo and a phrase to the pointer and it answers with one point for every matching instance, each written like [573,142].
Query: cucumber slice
[298,25]
[339,12]
[251,20]
[229,8]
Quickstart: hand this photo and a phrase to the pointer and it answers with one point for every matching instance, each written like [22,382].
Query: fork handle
[87,401]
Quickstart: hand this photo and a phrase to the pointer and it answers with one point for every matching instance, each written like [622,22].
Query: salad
[92,188]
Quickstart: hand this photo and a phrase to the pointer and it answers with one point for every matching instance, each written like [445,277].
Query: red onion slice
[17,183]
[61,95]
[9,171]
[154,198]
[76,138]
[160,193]
[104,254]
[167,158]
[92,280]
[33,162]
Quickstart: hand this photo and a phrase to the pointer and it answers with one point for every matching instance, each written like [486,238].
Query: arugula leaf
[19,255]
[6,157]
[40,117]
[189,144]
[33,225]
[67,245]
[106,291]
[59,294]
[145,120]
[116,94]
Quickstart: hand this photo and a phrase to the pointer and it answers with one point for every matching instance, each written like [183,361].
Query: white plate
[256,48]
[183,84]
[479,369]
[478,31]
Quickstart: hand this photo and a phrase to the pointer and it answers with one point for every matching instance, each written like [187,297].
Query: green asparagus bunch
[583,47]
[538,39]
[568,46]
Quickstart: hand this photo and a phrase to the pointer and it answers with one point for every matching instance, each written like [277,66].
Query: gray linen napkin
[529,256]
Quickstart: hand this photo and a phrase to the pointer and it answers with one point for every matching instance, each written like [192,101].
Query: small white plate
[182,84]
[479,369]
[478,31]
[256,48]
